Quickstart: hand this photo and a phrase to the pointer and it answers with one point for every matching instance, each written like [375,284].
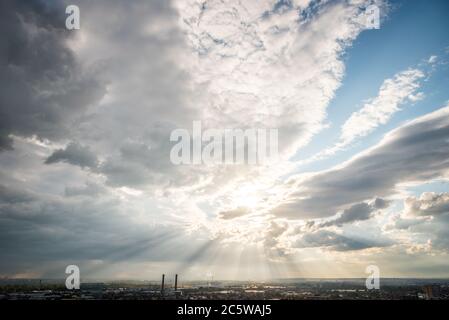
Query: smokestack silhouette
[162,284]
[176,282]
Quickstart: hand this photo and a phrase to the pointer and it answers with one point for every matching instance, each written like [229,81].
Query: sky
[86,117]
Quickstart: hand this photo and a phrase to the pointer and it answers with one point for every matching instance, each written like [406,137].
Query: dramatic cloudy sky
[86,117]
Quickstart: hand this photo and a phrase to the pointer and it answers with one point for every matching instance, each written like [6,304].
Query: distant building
[431,292]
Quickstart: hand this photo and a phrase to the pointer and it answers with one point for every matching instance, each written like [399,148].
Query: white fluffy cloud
[428,204]
[259,66]
[423,223]
[393,93]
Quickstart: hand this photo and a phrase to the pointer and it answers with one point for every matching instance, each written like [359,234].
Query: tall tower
[176,282]
[162,284]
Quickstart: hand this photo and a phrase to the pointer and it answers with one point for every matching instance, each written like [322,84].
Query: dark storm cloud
[43,88]
[144,161]
[90,189]
[10,195]
[44,230]
[334,241]
[357,212]
[148,91]
[417,151]
[74,154]
[5,143]
[46,88]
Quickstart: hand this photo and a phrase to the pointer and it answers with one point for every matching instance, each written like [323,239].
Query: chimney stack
[176,282]
[162,285]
